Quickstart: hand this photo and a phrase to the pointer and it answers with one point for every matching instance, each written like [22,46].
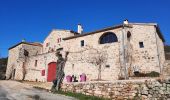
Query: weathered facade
[108,54]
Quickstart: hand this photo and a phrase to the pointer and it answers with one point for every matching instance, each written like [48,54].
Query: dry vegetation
[3,64]
[167,52]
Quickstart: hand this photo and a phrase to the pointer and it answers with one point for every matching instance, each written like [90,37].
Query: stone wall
[12,60]
[79,58]
[166,69]
[34,72]
[33,50]
[84,60]
[145,59]
[55,40]
[149,89]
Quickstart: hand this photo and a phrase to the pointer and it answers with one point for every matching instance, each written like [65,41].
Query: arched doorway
[51,71]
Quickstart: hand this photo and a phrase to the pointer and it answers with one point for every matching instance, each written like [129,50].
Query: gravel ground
[13,90]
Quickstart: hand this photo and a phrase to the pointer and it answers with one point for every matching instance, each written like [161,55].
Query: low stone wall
[149,89]
[166,69]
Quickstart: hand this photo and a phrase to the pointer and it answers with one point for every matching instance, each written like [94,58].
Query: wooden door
[51,71]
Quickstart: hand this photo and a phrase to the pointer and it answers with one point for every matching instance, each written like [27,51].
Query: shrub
[140,75]
[121,78]
[150,74]
[153,74]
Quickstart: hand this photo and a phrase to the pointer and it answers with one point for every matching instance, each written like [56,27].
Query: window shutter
[43,73]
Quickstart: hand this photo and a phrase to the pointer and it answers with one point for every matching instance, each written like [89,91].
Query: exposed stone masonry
[123,56]
[121,90]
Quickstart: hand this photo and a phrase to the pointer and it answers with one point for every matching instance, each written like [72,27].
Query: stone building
[106,54]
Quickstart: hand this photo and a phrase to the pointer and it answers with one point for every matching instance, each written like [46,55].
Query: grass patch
[80,96]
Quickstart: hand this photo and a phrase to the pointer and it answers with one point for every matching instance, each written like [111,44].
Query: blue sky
[34,19]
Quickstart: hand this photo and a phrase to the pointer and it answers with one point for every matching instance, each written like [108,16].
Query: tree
[59,71]
[24,70]
[95,56]
[3,62]
[98,58]
[3,65]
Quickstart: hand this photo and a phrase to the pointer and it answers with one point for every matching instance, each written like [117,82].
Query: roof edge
[28,43]
[119,26]
[100,30]
[152,24]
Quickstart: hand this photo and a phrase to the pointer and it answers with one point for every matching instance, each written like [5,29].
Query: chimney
[125,22]
[80,29]
[23,40]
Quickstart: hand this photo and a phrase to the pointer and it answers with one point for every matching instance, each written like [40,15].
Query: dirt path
[12,90]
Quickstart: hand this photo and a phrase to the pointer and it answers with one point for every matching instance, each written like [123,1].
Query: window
[58,40]
[108,37]
[36,53]
[14,73]
[107,66]
[52,50]
[26,53]
[43,73]
[47,44]
[36,62]
[82,43]
[141,45]
[128,34]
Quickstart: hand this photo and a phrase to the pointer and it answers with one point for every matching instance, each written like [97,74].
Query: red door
[51,71]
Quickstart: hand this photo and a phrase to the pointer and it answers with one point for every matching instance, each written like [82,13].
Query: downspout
[123,53]
[159,64]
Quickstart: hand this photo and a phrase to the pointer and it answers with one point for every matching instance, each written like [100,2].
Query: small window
[82,43]
[52,50]
[128,35]
[47,44]
[26,53]
[36,62]
[36,53]
[107,66]
[43,73]
[141,45]
[59,40]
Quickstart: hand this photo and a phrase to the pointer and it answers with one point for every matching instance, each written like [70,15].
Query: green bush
[153,74]
[167,48]
[141,75]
